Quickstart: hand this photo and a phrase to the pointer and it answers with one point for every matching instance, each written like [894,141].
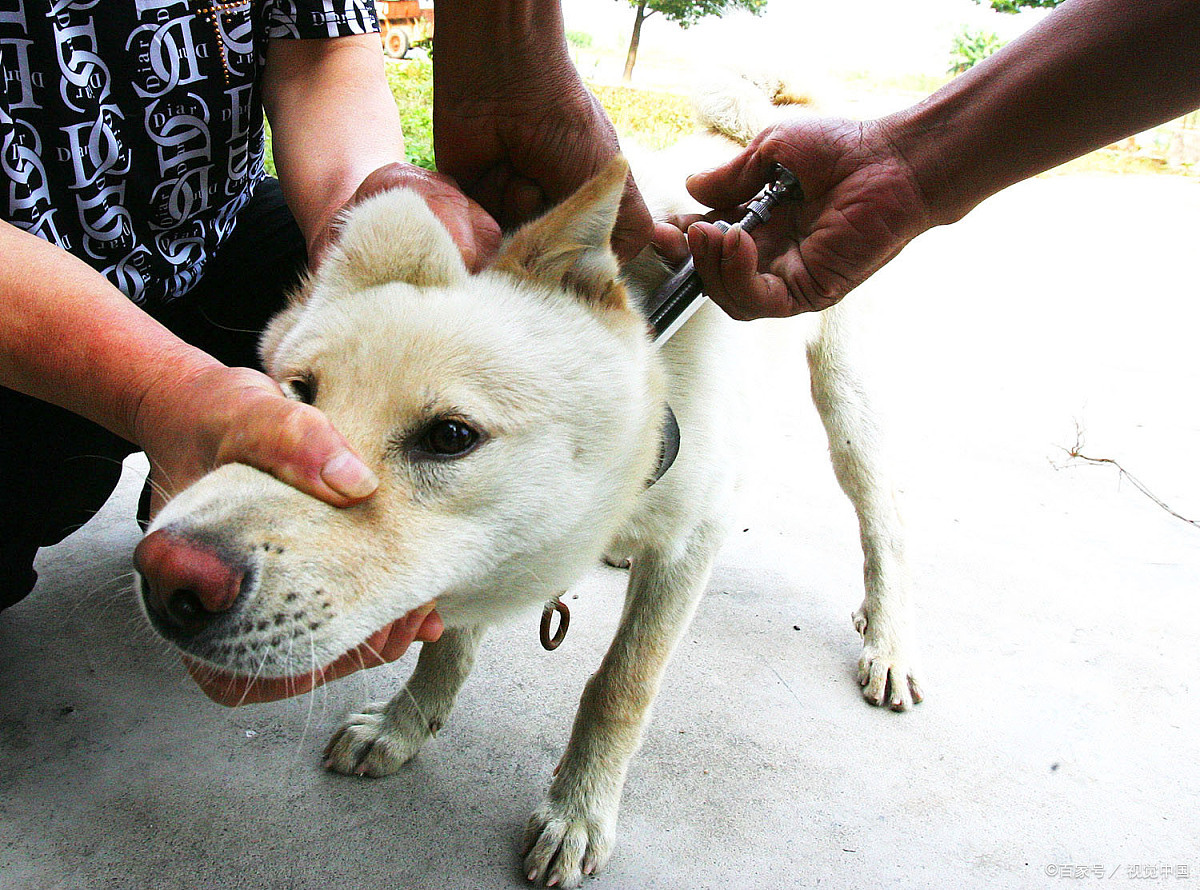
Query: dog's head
[512,418]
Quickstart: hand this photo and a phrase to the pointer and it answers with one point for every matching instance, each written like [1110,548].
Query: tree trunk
[631,58]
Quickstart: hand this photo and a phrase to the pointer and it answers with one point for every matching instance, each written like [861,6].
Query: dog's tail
[738,105]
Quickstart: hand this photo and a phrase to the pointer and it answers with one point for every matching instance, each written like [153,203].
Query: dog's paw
[562,845]
[885,673]
[888,680]
[374,742]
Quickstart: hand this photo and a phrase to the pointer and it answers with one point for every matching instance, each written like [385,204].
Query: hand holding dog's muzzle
[384,646]
[238,415]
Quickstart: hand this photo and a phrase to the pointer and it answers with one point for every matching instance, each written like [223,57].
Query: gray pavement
[1058,607]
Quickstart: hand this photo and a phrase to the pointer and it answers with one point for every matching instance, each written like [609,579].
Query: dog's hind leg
[572,833]
[885,670]
[385,735]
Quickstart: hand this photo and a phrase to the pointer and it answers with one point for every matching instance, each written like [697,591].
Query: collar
[669,449]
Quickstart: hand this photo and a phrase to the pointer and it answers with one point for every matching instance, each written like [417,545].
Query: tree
[1014,6]
[684,13]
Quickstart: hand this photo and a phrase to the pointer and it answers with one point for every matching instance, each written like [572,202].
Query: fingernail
[349,476]
[729,245]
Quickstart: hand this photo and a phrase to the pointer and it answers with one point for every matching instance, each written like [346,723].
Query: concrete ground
[1060,737]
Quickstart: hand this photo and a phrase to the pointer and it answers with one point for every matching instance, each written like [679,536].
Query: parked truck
[403,23]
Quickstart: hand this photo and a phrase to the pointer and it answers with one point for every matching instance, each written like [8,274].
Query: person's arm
[333,122]
[1092,72]
[336,138]
[513,122]
[69,337]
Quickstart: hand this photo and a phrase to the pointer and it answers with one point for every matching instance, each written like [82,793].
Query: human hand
[520,149]
[473,230]
[861,206]
[385,645]
[220,415]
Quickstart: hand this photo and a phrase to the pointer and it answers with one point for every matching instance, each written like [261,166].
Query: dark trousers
[57,469]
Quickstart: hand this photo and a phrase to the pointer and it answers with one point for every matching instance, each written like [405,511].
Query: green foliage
[972,47]
[686,13]
[579,39]
[1015,6]
[412,85]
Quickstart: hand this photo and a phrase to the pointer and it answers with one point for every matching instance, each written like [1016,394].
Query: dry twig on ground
[1075,452]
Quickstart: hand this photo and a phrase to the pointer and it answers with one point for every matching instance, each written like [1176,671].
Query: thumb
[298,445]
[734,182]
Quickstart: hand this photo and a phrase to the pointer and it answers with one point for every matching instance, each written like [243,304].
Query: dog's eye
[448,438]
[302,388]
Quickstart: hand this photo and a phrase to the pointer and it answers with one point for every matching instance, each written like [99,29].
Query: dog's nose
[187,585]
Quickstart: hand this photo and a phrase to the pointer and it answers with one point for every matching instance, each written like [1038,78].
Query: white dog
[514,419]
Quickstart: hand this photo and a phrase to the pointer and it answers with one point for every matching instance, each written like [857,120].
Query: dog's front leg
[573,831]
[385,735]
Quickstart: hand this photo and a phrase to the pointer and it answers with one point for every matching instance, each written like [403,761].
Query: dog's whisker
[224,327]
[309,710]
[323,688]
[407,691]
[114,589]
[420,711]
[537,579]
[364,682]
[254,677]
[230,681]
[106,596]
[157,487]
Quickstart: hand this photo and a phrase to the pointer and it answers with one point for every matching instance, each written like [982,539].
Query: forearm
[1091,73]
[517,45]
[333,121]
[69,337]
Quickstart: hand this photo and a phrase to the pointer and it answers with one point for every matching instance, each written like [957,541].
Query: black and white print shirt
[131,131]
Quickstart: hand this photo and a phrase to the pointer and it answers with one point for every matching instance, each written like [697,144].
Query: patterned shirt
[131,131]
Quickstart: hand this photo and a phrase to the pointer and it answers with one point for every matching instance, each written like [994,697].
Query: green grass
[412,85]
[655,118]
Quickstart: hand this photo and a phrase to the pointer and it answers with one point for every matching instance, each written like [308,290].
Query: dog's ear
[391,236]
[570,245]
